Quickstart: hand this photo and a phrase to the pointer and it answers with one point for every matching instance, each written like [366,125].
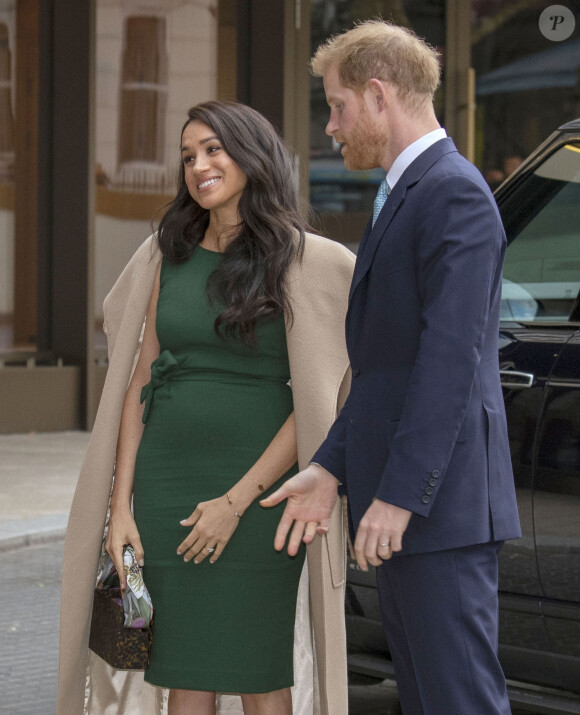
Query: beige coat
[318,288]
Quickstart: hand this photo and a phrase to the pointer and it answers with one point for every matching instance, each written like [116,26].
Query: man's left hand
[380,532]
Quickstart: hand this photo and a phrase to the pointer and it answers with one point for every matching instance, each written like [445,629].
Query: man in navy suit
[420,447]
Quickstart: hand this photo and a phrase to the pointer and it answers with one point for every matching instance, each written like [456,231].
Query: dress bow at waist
[161,371]
[166,368]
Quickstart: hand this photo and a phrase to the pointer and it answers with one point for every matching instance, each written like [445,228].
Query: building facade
[93,95]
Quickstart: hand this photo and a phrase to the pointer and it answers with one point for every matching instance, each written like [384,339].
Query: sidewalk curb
[23,540]
[32,532]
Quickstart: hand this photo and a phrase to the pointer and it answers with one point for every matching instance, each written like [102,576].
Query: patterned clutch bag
[122,628]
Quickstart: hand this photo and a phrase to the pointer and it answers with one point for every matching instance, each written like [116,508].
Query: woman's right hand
[123,531]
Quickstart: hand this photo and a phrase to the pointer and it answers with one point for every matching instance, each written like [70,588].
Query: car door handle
[516,380]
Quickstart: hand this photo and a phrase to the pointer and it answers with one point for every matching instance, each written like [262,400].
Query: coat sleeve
[316,345]
[459,252]
[331,453]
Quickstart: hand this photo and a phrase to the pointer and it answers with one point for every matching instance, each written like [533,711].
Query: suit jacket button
[432,482]
[355,371]
[435,473]
[425,499]
[429,490]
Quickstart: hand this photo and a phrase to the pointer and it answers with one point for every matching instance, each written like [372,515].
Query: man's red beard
[365,145]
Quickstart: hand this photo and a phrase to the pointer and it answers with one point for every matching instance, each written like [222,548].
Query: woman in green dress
[208,428]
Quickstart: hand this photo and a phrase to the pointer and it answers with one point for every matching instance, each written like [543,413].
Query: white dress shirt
[408,155]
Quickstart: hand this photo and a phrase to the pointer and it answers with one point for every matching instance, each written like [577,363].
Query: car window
[542,222]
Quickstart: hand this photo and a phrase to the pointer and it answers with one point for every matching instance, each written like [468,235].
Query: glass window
[6,116]
[542,221]
[527,84]
[7,87]
[143,91]
[6,168]
[342,200]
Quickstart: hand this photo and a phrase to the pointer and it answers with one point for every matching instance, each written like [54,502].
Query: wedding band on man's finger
[387,544]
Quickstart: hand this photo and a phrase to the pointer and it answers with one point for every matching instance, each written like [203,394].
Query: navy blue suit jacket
[424,426]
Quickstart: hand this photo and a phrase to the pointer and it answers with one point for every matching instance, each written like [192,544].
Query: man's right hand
[311,496]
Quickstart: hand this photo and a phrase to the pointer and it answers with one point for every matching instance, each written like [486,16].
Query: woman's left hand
[213,524]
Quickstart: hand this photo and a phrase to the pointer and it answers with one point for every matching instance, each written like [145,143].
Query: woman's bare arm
[215,521]
[122,527]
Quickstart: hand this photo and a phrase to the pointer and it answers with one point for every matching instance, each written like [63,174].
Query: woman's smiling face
[213,178]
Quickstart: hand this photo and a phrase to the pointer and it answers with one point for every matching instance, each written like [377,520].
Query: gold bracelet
[260,486]
[236,513]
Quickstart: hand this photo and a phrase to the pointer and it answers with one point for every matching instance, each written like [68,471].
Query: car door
[540,371]
[526,360]
[557,511]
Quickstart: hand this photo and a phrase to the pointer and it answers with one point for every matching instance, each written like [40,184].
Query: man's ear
[379,92]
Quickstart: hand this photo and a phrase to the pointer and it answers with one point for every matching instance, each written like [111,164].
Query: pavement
[29,628]
[38,475]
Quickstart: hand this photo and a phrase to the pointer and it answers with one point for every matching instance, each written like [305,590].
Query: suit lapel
[361,249]
[372,237]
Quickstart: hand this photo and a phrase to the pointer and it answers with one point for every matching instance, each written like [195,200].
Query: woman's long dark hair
[250,281]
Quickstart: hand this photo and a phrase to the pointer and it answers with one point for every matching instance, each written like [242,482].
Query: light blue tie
[382,194]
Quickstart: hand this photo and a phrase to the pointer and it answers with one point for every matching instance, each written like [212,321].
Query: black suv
[539,360]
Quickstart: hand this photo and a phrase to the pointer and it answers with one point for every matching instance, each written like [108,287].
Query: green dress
[211,409]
